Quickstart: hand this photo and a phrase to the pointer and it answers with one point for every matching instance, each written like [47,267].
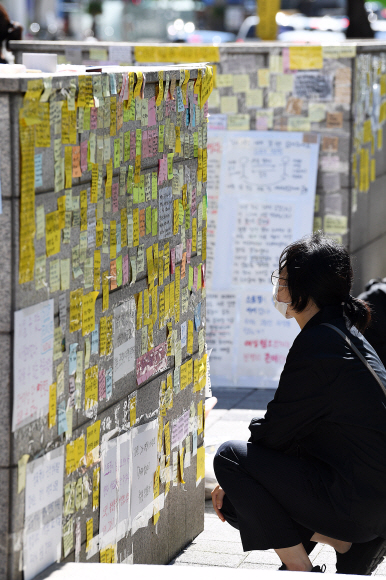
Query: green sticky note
[154,222]
[86,119]
[204,206]
[130,179]
[170,165]
[180,213]
[117,153]
[195,141]
[142,189]
[161,132]
[154,185]
[148,220]
[190,281]
[119,271]
[127,146]
[187,218]
[136,193]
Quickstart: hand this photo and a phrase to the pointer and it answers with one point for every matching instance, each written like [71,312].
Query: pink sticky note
[162,170]
[188,250]
[102,384]
[93,118]
[132,144]
[261,124]
[145,144]
[83,156]
[152,119]
[115,193]
[195,99]
[286,61]
[195,276]
[203,275]
[173,260]
[152,362]
[125,268]
[193,200]
[206,109]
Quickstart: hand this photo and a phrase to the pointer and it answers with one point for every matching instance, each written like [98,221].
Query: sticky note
[52,406]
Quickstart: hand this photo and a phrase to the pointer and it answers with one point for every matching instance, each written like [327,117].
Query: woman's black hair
[320,269]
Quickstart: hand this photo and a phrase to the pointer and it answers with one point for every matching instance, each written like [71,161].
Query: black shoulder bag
[354,348]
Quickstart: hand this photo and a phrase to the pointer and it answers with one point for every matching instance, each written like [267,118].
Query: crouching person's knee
[221,458]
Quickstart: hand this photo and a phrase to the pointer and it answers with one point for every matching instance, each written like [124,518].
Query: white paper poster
[144,446]
[43,512]
[32,360]
[263,191]
[115,490]
[124,339]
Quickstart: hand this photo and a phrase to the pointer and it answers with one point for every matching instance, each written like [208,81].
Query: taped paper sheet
[263,195]
[43,512]
[32,359]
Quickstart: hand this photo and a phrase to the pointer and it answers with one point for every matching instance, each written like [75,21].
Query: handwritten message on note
[144,445]
[165,213]
[152,362]
[32,359]
[43,512]
[124,339]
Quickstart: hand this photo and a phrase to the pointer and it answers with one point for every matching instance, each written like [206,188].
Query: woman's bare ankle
[342,547]
[299,566]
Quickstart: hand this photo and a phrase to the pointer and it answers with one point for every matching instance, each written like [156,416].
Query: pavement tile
[259,566]
[219,547]
[263,557]
[210,558]
[212,535]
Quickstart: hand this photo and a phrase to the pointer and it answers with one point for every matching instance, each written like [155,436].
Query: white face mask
[282,307]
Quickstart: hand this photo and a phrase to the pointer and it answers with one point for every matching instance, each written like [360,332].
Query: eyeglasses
[275,276]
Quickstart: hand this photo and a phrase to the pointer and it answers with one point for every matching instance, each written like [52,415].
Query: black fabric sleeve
[300,401]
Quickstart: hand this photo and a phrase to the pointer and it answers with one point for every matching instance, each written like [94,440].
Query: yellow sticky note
[95,488]
[53,233]
[189,348]
[181,454]
[76,299]
[93,433]
[305,57]
[263,77]
[91,387]
[200,463]
[88,312]
[52,406]
[133,411]
[89,534]
[105,291]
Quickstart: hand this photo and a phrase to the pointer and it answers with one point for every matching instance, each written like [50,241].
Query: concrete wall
[182,516]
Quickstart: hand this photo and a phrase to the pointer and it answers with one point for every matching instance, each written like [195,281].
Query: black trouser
[277,500]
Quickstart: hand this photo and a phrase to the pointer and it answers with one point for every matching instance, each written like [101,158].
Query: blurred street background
[192,21]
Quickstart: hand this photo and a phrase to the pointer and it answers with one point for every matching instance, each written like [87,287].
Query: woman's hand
[217,497]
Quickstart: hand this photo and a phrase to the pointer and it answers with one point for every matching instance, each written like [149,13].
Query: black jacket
[376,333]
[329,409]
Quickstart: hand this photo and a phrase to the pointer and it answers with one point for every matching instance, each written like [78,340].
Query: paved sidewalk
[219,544]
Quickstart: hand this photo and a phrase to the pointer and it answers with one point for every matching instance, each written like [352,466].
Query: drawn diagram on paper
[267,164]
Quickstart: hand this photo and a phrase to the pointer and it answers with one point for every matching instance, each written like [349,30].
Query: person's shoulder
[319,339]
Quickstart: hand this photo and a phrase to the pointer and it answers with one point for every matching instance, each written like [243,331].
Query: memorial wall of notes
[107,212]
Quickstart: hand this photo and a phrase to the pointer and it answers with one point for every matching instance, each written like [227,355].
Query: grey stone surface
[5,408]
[4,510]
[6,265]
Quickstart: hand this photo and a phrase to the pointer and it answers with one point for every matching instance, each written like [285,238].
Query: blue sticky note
[180,102]
[187,116]
[95,340]
[183,334]
[39,170]
[113,84]
[197,316]
[62,419]
[109,383]
[72,359]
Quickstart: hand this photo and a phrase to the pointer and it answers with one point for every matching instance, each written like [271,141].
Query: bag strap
[354,348]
